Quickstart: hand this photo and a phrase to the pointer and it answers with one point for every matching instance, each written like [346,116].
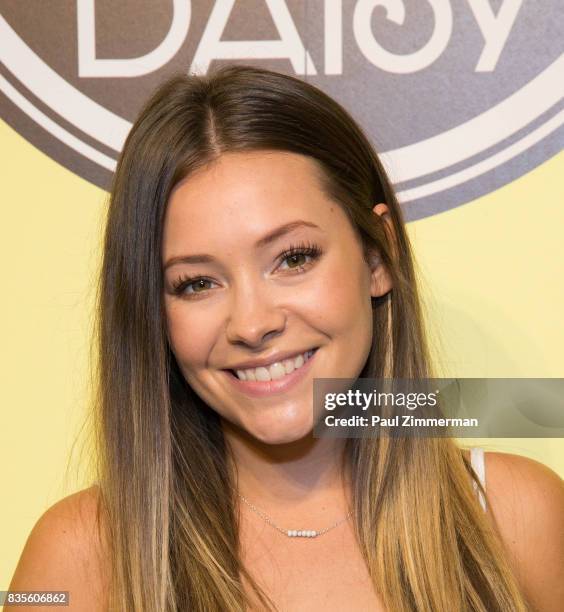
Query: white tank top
[479,466]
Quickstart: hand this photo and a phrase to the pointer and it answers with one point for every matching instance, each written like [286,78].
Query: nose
[254,316]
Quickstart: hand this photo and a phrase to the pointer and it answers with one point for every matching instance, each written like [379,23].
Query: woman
[254,243]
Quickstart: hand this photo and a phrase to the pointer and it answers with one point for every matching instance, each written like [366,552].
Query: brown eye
[199,284]
[188,287]
[296,259]
[299,258]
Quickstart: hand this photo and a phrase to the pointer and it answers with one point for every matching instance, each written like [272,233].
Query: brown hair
[167,495]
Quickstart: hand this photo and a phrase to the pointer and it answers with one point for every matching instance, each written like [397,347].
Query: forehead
[246,194]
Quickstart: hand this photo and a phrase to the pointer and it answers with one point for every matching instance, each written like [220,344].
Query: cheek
[340,298]
[191,335]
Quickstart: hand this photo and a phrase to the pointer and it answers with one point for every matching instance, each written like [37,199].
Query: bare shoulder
[526,500]
[64,552]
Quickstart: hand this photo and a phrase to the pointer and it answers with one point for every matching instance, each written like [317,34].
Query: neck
[303,476]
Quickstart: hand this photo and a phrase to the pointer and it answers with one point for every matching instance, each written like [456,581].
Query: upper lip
[266,361]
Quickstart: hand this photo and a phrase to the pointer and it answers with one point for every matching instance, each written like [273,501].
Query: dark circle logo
[459,98]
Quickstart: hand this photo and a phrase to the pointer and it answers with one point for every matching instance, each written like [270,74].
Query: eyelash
[308,249]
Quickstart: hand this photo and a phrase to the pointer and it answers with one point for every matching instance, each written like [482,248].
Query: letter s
[395,11]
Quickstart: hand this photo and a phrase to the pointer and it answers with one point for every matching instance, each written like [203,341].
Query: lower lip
[263,388]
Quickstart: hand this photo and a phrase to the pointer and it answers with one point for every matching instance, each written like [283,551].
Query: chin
[281,433]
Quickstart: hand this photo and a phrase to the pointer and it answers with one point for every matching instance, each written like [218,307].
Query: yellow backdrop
[492,274]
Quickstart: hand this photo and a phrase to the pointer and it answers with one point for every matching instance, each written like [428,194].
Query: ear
[381,280]
[381,209]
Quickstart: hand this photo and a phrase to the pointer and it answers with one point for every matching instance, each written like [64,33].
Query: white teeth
[288,365]
[275,370]
[262,374]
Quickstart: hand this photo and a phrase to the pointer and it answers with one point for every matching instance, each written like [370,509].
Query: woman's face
[267,269]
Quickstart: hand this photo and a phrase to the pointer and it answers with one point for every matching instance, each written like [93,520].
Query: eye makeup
[300,250]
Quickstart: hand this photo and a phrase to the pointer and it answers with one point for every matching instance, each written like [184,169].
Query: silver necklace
[292,533]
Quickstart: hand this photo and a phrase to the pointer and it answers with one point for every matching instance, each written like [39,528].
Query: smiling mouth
[275,371]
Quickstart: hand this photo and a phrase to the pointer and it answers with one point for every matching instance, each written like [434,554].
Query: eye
[197,284]
[297,257]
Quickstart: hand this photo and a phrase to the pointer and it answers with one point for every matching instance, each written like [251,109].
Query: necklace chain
[304,533]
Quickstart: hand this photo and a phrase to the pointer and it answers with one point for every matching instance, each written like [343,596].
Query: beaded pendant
[304,533]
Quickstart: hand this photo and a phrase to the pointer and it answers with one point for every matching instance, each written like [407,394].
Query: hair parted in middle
[167,487]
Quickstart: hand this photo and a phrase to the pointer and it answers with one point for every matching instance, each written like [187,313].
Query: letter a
[289,46]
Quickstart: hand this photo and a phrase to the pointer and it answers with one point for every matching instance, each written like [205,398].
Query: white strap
[479,466]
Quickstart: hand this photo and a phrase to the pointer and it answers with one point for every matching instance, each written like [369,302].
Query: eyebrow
[259,244]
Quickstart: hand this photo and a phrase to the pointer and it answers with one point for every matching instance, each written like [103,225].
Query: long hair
[167,495]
